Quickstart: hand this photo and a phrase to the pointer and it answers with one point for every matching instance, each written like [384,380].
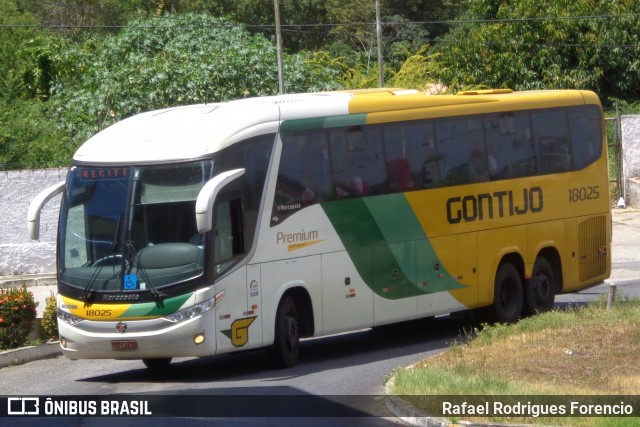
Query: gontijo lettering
[478,207]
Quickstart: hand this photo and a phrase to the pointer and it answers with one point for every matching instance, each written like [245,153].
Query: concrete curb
[409,414]
[18,356]
[28,280]
[413,416]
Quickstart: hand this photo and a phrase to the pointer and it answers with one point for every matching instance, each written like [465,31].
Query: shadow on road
[316,355]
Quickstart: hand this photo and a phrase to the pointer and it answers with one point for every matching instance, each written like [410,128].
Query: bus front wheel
[540,291]
[286,346]
[507,298]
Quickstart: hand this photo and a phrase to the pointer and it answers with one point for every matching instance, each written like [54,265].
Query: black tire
[157,364]
[540,290]
[508,294]
[286,345]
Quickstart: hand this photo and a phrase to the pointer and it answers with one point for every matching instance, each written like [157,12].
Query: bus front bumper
[139,339]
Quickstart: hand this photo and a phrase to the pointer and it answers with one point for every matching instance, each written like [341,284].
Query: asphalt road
[339,367]
[353,364]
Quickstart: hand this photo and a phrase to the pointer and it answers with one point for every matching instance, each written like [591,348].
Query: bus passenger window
[586,135]
[304,176]
[554,155]
[357,161]
[551,137]
[399,175]
[508,137]
[461,143]
[478,169]
[412,160]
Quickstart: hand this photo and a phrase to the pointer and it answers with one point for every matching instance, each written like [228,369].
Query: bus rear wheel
[507,298]
[540,291]
[286,346]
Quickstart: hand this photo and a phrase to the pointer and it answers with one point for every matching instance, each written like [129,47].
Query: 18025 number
[584,193]
[98,313]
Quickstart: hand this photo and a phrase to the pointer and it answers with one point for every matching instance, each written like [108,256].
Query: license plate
[124,345]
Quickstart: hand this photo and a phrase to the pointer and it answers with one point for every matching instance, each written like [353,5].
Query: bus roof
[195,131]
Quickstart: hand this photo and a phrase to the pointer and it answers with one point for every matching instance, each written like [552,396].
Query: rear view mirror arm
[207,197]
[33,214]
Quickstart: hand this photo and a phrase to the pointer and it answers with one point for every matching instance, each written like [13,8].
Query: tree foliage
[532,45]
[29,136]
[419,72]
[12,42]
[72,67]
[78,19]
[176,60]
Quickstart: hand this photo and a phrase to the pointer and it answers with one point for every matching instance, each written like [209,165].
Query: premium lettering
[478,207]
[302,236]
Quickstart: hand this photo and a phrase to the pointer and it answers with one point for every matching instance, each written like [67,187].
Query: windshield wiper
[157,296]
[87,292]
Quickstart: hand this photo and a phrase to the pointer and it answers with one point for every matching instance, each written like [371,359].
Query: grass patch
[579,351]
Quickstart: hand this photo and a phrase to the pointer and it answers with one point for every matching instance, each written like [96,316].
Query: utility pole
[276,4]
[379,37]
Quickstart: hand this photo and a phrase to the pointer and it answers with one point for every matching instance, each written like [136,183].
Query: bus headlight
[194,311]
[68,317]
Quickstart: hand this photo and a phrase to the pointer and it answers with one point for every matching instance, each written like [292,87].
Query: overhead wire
[317,28]
[341,24]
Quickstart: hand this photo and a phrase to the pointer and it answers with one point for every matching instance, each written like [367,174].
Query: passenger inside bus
[478,171]
[356,188]
[399,176]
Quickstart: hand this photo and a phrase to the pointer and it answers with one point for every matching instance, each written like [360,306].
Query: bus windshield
[131,228]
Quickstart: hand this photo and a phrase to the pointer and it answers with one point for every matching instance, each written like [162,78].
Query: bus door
[254,306]
[233,320]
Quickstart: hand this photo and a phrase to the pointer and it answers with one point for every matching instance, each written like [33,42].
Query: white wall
[18,254]
[630,155]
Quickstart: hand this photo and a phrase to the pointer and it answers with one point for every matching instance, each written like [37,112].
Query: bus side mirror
[33,214]
[207,197]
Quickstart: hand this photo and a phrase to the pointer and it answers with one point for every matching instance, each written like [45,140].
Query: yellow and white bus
[208,229]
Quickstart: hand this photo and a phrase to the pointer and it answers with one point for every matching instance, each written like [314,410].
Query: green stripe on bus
[151,309]
[395,218]
[388,246]
[322,123]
